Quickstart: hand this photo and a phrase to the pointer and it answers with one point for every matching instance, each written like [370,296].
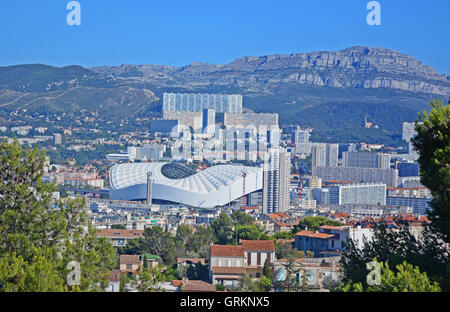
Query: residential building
[258,252]
[363,159]
[114,281]
[222,103]
[276,180]
[253,119]
[120,237]
[227,265]
[130,264]
[322,273]
[330,240]
[325,155]
[408,169]
[357,175]
[370,193]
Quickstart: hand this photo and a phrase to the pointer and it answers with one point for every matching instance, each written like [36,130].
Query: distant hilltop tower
[369,125]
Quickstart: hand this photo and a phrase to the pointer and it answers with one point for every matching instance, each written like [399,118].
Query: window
[280,275]
[310,276]
[238,263]
[129,266]
[332,243]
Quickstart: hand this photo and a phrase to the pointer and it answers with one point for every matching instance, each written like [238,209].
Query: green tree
[198,243]
[291,282]
[241,218]
[183,232]
[395,247]
[249,232]
[223,229]
[220,287]
[145,260]
[433,144]
[406,278]
[267,270]
[283,235]
[41,235]
[286,250]
[314,223]
[148,280]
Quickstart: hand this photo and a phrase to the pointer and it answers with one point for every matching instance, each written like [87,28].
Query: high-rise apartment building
[325,155]
[222,103]
[372,193]
[358,175]
[301,136]
[277,170]
[57,138]
[363,159]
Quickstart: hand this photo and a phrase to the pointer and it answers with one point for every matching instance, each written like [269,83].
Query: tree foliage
[314,223]
[40,235]
[433,144]
[406,278]
[395,247]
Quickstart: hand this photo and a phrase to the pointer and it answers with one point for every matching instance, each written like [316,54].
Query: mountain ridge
[314,89]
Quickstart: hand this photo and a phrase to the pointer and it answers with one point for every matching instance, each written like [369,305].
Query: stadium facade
[213,187]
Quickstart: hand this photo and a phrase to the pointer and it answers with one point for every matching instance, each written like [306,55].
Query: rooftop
[264,245]
[227,251]
[120,233]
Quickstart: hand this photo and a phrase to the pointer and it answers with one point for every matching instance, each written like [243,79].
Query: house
[258,251]
[114,281]
[197,286]
[130,264]
[282,222]
[330,240]
[321,273]
[120,237]
[152,260]
[227,265]
[190,261]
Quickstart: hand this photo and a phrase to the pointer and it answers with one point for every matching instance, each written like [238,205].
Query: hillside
[324,90]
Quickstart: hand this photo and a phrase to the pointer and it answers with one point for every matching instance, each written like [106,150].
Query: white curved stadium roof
[215,186]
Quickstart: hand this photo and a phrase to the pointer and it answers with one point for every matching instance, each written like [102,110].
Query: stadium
[213,187]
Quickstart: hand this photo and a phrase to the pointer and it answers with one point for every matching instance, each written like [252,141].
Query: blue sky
[177,33]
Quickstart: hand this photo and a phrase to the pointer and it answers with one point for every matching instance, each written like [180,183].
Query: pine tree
[40,235]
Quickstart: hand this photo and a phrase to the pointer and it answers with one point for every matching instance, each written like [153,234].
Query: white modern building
[365,193]
[213,187]
[183,102]
[277,170]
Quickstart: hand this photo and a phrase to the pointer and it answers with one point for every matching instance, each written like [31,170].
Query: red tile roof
[263,245]
[129,259]
[341,215]
[321,235]
[227,251]
[177,283]
[278,215]
[304,233]
[197,286]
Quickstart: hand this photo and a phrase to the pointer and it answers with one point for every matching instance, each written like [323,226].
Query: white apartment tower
[277,172]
